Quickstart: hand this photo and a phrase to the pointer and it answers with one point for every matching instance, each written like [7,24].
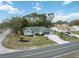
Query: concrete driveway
[3,36]
[56,39]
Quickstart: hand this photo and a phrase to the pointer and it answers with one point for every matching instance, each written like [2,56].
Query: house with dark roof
[30,31]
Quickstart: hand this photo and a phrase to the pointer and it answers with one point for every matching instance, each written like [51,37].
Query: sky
[63,10]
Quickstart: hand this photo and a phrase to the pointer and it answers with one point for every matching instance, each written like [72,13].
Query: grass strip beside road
[67,37]
[77,32]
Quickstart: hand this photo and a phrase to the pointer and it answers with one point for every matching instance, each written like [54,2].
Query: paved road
[56,39]
[3,36]
[48,52]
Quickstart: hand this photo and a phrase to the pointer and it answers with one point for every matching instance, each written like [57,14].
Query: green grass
[36,41]
[76,32]
[68,38]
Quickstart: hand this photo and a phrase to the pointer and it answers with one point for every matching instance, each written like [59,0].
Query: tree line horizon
[33,19]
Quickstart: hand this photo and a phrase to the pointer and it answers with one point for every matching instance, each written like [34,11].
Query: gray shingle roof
[37,29]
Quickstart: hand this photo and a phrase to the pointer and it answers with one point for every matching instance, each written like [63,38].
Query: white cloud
[37,4]
[67,2]
[74,15]
[9,8]
[9,2]
[37,7]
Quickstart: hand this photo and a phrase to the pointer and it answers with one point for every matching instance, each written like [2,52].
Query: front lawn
[36,41]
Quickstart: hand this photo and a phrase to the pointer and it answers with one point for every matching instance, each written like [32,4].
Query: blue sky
[64,10]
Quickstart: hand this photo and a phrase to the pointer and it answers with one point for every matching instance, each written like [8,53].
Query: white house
[74,28]
[30,31]
[61,28]
[55,29]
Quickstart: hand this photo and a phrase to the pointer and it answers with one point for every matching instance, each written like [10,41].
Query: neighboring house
[61,28]
[74,28]
[55,29]
[30,31]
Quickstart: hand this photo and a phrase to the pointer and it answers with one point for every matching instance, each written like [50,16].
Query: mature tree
[15,23]
[34,19]
[50,17]
[38,19]
[4,25]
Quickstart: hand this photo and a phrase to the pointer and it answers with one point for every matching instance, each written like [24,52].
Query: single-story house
[30,31]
